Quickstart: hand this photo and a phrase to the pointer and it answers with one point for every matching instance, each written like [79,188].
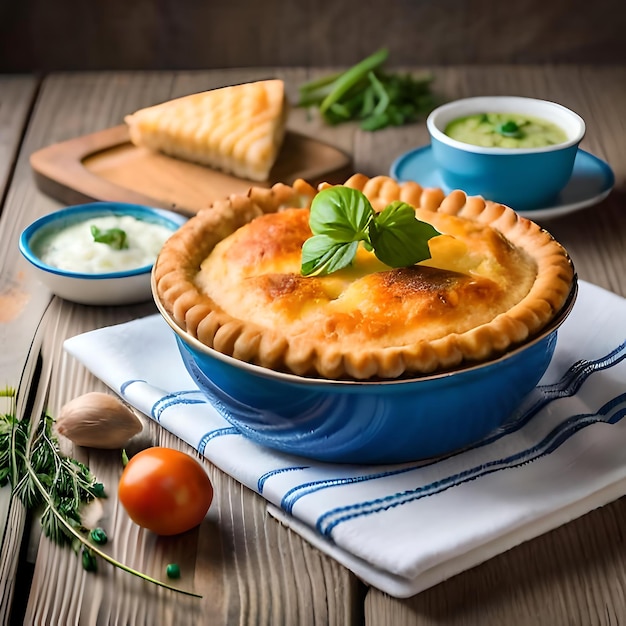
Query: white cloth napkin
[407,527]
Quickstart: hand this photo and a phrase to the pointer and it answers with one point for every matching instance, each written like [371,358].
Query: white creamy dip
[73,248]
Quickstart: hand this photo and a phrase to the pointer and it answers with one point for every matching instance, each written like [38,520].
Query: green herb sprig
[113,237]
[45,480]
[367,94]
[341,218]
[510,129]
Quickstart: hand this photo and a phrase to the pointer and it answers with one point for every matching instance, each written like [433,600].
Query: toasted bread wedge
[237,129]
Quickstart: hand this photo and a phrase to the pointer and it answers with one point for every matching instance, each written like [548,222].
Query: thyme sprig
[58,486]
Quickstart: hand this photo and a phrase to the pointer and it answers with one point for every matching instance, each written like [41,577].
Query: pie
[237,129]
[230,277]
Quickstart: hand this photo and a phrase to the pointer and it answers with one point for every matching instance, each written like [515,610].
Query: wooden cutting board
[106,166]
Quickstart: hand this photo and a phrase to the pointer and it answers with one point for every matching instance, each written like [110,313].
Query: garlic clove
[98,420]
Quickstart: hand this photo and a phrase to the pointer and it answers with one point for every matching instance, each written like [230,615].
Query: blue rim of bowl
[265,372]
[440,136]
[75,213]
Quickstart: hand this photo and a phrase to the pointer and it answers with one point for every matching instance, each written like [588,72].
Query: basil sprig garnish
[114,237]
[341,218]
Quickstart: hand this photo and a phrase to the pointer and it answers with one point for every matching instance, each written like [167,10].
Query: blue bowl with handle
[369,422]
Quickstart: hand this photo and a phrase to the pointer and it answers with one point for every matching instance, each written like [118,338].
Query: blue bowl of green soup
[513,150]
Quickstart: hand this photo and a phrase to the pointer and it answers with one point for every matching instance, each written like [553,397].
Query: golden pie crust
[230,277]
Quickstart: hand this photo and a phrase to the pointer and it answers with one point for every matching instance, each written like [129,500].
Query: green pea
[173,571]
[97,535]
[89,561]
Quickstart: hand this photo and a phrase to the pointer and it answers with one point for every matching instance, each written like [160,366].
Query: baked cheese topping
[237,129]
[474,275]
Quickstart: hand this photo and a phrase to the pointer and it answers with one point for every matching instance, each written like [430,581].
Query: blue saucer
[592,180]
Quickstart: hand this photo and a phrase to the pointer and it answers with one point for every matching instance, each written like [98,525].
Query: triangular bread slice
[237,129]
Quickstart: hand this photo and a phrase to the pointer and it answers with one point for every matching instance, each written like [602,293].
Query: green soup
[505,130]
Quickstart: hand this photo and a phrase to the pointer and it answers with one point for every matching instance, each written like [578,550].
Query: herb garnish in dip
[103,244]
[505,130]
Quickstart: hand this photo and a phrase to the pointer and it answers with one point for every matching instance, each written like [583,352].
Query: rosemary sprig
[44,479]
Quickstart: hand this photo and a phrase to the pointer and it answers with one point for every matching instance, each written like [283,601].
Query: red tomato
[165,490]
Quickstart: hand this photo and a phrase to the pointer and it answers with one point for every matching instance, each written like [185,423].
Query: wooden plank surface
[250,569]
[17,360]
[576,574]
[17,94]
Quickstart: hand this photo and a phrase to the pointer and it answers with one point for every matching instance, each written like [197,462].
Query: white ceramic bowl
[95,288]
[522,178]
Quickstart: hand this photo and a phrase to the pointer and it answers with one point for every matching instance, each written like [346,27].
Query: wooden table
[249,568]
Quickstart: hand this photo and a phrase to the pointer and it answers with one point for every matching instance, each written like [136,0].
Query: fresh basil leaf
[399,238]
[114,237]
[322,255]
[342,217]
[341,213]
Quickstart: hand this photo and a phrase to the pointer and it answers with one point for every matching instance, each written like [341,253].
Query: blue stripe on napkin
[567,386]
[557,437]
